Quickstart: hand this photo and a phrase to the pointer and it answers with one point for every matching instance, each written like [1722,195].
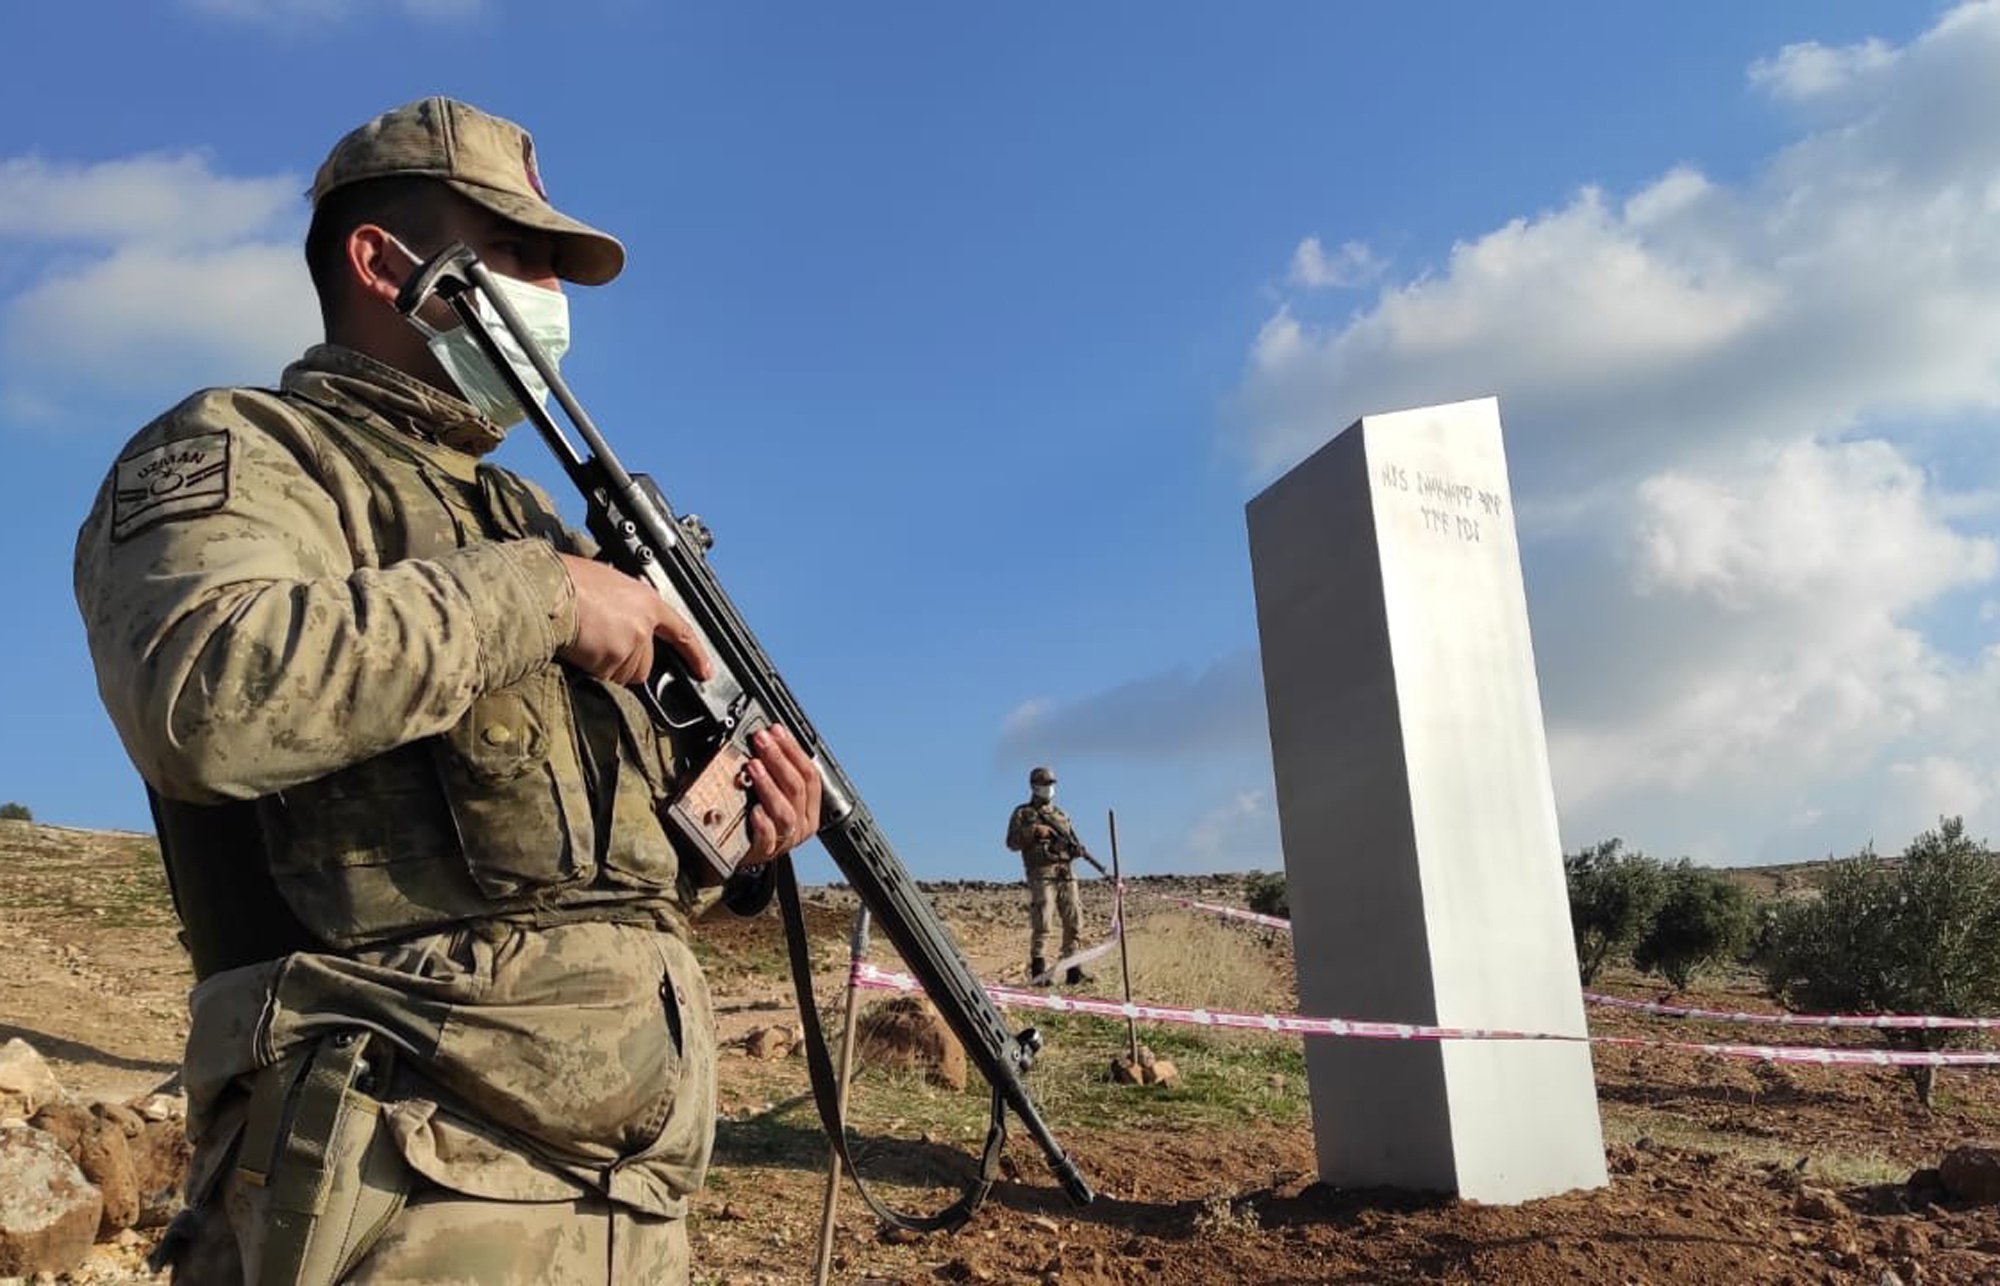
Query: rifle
[1063,843]
[711,723]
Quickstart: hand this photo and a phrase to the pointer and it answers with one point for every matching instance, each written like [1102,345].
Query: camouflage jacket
[1020,837]
[318,602]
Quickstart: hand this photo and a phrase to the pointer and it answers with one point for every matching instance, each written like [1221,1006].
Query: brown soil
[1708,1159]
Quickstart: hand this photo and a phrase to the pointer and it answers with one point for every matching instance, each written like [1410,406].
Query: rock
[100,1149]
[1971,1173]
[768,1043]
[1126,1072]
[160,1165]
[906,1032]
[1164,1074]
[128,1121]
[1910,1241]
[162,1107]
[1818,1203]
[26,1083]
[48,1210]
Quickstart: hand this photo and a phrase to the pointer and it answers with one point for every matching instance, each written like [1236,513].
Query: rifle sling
[826,1092]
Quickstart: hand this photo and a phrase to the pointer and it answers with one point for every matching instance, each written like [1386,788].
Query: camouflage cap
[483,158]
[1040,775]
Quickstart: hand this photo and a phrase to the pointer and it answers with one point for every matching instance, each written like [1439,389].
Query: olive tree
[1915,934]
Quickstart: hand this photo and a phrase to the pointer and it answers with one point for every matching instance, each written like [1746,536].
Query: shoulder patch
[173,480]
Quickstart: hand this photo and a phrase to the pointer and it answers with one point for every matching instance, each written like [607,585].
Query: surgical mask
[545,315]
[1042,794]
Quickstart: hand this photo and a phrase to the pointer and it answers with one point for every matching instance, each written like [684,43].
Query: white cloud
[1239,834]
[1811,72]
[1176,713]
[160,276]
[1354,264]
[173,200]
[1723,403]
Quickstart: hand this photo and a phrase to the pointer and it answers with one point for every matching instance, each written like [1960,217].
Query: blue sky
[970,332]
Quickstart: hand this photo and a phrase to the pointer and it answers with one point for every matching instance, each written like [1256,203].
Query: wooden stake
[1118,914]
[857,946]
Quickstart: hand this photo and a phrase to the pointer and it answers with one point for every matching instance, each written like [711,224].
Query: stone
[1910,1241]
[162,1107]
[48,1211]
[160,1158]
[1163,1074]
[100,1149]
[1126,1072]
[1818,1203]
[26,1082]
[1417,814]
[1971,1173]
[906,1033]
[125,1118]
[768,1043]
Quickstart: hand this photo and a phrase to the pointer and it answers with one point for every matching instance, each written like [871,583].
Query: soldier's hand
[787,783]
[617,619]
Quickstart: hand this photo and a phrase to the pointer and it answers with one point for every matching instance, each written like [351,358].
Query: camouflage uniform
[1051,883]
[470,1040]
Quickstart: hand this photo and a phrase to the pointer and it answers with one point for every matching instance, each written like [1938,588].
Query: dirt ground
[1717,1166]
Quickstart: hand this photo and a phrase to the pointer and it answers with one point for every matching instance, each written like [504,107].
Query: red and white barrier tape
[874,977]
[1888,1022]
[1938,1022]
[1231,912]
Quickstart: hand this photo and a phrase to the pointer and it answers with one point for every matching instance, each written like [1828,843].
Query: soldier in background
[448,1025]
[1042,834]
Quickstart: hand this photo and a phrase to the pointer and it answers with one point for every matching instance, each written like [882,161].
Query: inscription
[1449,507]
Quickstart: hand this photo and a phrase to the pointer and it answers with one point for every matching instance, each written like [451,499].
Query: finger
[808,800]
[763,838]
[781,757]
[775,804]
[678,631]
[804,786]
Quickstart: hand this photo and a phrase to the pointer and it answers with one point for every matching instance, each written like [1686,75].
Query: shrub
[1612,897]
[12,812]
[1704,918]
[1919,935]
[1266,893]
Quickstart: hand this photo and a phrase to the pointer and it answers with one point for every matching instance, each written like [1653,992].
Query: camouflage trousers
[1052,892]
[445,1237]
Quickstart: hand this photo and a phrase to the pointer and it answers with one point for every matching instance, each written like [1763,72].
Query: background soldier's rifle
[1065,845]
[711,723]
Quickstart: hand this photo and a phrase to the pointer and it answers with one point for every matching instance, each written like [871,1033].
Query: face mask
[1043,794]
[544,313]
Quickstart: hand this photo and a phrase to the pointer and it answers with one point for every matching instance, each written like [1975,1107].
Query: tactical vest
[540,805]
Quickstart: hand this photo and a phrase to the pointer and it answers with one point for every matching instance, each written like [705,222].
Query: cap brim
[583,254]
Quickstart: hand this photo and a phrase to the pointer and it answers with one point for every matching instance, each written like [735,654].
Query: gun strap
[826,1090]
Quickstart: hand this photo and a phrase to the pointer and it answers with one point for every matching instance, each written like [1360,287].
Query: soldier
[1041,833]
[448,1025]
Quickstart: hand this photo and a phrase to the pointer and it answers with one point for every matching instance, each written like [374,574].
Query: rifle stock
[711,723]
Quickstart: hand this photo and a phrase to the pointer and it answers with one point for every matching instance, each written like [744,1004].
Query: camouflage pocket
[513,779]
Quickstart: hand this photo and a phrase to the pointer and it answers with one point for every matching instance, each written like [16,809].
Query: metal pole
[1118,913]
[857,948]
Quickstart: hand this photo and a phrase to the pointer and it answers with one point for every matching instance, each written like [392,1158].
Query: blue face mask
[544,312]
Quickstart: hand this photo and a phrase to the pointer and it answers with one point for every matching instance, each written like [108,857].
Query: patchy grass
[1183,959]
[1836,1169]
